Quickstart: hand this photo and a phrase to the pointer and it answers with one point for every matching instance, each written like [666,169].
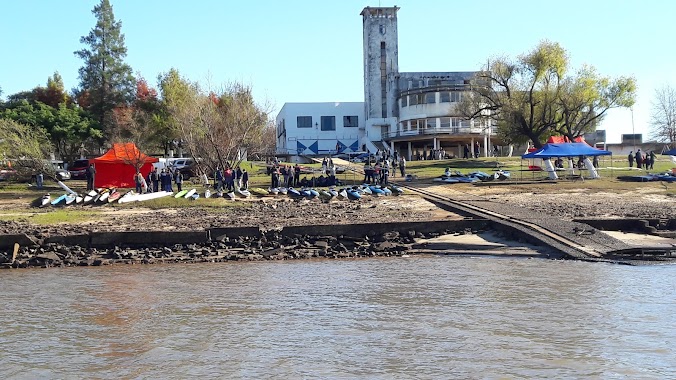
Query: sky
[311,51]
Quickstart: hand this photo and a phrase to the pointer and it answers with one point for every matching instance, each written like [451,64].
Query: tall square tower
[381,63]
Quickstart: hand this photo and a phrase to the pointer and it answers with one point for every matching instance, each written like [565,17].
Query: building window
[431,123]
[444,97]
[350,121]
[304,121]
[445,122]
[456,96]
[382,29]
[455,122]
[414,125]
[328,123]
[413,100]
[404,101]
[430,98]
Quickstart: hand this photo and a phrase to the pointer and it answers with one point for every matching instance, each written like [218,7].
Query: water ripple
[398,318]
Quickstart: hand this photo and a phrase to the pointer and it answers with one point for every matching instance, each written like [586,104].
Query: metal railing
[437,131]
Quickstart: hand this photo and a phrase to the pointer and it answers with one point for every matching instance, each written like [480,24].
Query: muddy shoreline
[269,214]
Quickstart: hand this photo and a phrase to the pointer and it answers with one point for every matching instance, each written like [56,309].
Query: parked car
[5,174]
[185,165]
[79,169]
[62,174]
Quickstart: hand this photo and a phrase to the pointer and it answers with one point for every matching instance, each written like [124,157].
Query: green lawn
[50,216]
[422,169]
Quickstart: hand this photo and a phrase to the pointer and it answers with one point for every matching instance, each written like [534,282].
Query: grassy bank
[609,170]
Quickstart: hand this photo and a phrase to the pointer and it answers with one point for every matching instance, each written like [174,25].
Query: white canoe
[70,198]
[144,197]
[190,193]
[46,199]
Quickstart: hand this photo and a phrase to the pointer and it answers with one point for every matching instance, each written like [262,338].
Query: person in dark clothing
[465,153]
[296,175]
[178,178]
[165,180]
[138,180]
[238,174]
[639,159]
[245,179]
[149,181]
[218,178]
[630,157]
[156,180]
[275,178]
[652,159]
[229,177]
[91,172]
[477,150]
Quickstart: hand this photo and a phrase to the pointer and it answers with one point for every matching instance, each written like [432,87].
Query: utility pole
[633,134]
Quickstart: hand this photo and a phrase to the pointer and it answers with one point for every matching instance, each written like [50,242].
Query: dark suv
[79,169]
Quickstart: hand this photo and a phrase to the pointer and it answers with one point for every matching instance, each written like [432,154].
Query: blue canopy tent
[566,150]
[571,149]
[671,152]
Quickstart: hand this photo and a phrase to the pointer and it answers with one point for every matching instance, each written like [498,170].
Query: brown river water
[423,317]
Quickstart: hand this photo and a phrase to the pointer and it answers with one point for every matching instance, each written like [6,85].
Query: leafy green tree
[586,97]
[105,80]
[52,95]
[519,95]
[532,97]
[68,127]
[27,146]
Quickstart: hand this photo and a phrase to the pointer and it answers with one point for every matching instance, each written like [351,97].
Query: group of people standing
[226,179]
[643,160]
[284,175]
[158,180]
[386,165]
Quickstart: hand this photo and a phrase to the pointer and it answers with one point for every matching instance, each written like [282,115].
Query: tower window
[382,29]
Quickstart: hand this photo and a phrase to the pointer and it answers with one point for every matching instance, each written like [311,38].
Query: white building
[308,129]
[410,113]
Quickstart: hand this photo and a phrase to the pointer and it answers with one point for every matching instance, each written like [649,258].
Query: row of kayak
[98,196]
[349,193]
[458,177]
[111,195]
[664,177]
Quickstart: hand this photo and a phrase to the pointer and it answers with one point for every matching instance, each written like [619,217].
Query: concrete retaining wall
[169,238]
[7,241]
[361,230]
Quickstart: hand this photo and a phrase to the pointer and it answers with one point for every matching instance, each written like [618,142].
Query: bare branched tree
[663,117]
[216,127]
[133,134]
[27,148]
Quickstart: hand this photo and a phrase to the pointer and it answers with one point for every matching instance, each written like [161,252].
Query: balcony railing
[437,131]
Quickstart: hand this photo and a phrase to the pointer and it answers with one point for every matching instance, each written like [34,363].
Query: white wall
[325,140]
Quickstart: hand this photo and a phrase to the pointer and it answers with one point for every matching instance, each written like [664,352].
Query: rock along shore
[225,244]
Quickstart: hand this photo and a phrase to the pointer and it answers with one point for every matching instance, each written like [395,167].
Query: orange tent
[563,139]
[116,168]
